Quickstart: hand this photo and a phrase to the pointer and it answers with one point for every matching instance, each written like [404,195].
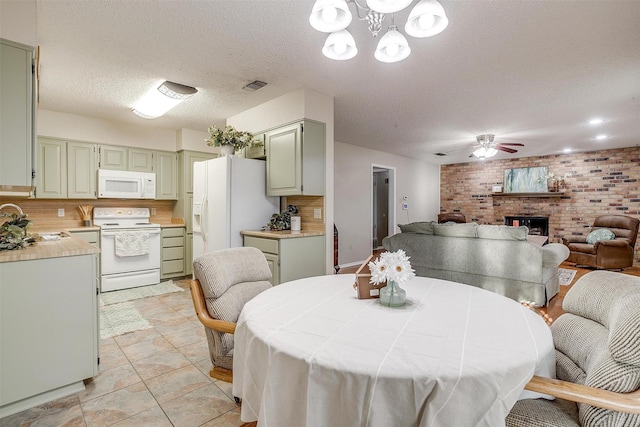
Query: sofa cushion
[600,234]
[502,232]
[425,227]
[456,230]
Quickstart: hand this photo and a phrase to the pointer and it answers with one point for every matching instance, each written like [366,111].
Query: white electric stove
[135,268]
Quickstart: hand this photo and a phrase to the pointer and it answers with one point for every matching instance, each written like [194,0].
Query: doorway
[383,208]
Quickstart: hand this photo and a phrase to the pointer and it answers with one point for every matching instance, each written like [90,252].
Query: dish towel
[132,243]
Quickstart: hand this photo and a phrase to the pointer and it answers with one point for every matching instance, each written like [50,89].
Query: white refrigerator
[229,195]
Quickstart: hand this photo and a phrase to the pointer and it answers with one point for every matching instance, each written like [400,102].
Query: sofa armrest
[553,254]
[612,243]
[574,239]
[622,402]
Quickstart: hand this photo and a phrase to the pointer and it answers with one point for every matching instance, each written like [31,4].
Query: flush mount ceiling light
[160,99]
[426,19]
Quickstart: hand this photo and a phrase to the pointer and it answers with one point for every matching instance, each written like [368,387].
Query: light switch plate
[60,212]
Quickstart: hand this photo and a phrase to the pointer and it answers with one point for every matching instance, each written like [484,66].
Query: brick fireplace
[537,225]
[602,182]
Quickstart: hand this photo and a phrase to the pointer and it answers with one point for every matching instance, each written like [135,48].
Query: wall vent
[254,86]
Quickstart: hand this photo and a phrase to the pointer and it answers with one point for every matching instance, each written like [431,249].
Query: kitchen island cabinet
[48,322]
[290,255]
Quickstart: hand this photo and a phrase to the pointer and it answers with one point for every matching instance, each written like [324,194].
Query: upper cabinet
[296,159]
[166,169]
[257,151]
[65,169]
[111,157]
[81,170]
[140,160]
[17,105]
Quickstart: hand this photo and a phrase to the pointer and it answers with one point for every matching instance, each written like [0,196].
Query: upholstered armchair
[451,217]
[597,344]
[224,281]
[614,253]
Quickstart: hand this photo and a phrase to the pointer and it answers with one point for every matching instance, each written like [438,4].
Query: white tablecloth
[308,353]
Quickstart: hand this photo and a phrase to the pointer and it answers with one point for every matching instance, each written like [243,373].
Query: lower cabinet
[173,253]
[49,329]
[291,258]
[92,237]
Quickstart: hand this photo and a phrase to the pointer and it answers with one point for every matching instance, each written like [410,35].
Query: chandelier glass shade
[426,19]
[340,46]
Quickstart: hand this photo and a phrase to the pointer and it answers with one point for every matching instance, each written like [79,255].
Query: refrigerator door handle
[203,217]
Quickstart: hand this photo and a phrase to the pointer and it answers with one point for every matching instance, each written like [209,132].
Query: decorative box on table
[363,286]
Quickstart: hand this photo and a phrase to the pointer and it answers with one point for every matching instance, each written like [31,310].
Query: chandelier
[426,19]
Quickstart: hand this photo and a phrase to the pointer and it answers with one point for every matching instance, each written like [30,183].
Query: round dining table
[309,353]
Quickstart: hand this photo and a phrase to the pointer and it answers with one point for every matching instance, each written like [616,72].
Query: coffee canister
[295,223]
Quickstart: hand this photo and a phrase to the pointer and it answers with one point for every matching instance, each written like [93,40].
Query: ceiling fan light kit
[426,19]
[487,148]
[160,99]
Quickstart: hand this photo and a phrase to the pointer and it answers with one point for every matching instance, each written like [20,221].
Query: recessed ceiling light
[601,137]
[567,150]
[595,122]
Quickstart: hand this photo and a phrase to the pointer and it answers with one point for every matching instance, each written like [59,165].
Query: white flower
[394,266]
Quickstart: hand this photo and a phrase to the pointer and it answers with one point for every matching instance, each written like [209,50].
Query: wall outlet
[60,212]
[317,213]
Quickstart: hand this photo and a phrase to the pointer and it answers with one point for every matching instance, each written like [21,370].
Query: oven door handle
[108,233]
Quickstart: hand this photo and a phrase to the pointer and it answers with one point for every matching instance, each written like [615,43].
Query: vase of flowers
[229,139]
[393,268]
[555,182]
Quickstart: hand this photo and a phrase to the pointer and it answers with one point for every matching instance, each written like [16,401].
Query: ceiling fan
[487,148]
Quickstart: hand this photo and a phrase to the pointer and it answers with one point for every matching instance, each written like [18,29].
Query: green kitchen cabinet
[296,159]
[17,120]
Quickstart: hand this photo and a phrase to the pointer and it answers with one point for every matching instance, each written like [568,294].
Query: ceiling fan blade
[511,143]
[505,149]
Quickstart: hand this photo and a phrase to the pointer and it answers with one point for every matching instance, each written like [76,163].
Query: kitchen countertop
[66,246]
[284,234]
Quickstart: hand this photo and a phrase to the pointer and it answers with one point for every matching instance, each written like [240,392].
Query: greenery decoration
[282,221]
[13,233]
[230,136]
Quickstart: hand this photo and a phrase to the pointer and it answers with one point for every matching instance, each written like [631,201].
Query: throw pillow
[469,229]
[502,232]
[600,234]
[425,227]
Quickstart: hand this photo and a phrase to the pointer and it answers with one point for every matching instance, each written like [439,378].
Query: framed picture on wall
[526,180]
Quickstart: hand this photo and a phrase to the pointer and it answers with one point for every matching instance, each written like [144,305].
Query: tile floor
[155,377]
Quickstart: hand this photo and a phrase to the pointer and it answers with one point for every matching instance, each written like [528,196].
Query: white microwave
[126,184]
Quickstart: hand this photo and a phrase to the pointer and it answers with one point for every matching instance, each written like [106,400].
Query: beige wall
[419,181]
[603,182]
[18,21]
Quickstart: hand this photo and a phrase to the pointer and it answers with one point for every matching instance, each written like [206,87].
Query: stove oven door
[131,269]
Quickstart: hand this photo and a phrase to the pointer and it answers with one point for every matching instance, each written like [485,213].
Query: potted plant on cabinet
[229,139]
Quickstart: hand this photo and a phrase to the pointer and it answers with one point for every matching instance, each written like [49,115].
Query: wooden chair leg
[221,374]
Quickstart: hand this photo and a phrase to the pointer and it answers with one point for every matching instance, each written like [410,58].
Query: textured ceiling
[531,72]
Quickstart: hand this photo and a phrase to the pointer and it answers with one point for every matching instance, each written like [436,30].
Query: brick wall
[602,182]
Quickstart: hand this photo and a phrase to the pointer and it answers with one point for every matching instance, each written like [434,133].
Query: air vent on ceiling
[254,86]
[440,154]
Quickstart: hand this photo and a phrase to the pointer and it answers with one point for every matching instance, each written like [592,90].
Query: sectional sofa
[494,257]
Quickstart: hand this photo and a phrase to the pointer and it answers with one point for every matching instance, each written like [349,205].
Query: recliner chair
[597,345]
[451,217]
[225,280]
[603,254]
